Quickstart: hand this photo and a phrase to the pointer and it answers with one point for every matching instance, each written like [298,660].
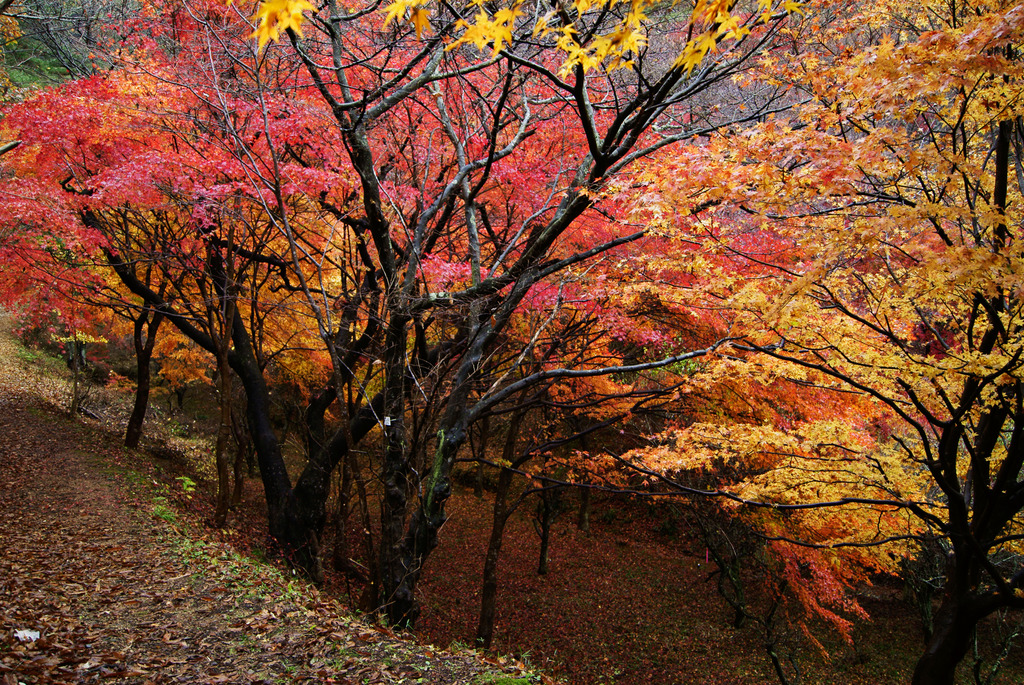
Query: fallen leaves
[94,589]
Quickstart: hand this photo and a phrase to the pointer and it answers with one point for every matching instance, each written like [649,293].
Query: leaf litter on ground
[96,586]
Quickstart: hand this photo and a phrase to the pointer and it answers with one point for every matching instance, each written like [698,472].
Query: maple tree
[880,220]
[375,207]
[520,86]
[419,217]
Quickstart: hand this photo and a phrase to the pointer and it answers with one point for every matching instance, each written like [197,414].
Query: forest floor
[101,579]
[105,554]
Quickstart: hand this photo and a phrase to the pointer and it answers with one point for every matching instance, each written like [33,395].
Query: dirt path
[100,582]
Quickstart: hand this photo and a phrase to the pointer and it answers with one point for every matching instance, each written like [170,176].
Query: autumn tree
[890,202]
[486,84]
[401,187]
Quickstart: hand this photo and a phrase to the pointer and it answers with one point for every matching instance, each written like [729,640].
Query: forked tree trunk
[145,340]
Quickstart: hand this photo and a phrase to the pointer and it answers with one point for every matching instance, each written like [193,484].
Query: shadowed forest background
[650,339]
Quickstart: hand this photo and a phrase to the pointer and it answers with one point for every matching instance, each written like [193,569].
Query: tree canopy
[772,242]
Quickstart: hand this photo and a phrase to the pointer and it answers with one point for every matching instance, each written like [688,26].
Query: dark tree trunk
[296,515]
[306,510]
[76,370]
[583,519]
[398,571]
[300,544]
[481,454]
[545,541]
[548,510]
[144,339]
[489,589]
[421,535]
[952,631]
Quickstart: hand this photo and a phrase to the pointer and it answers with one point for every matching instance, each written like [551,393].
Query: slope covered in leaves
[101,582]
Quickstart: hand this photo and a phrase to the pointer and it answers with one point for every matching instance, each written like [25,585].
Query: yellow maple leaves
[711,22]
[609,51]
[489,30]
[494,28]
[416,11]
[723,25]
[275,17]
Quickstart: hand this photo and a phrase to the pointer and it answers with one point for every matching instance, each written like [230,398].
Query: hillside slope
[100,580]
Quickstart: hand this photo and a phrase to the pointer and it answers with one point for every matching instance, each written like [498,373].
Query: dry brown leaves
[117,594]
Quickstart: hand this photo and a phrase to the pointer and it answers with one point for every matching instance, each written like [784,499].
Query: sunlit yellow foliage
[181,362]
[495,28]
[275,17]
[863,246]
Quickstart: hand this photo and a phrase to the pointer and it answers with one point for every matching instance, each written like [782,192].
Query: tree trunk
[545,541]
[583,519]
[421,536]
[296,516]
[75,395]
[273,473]
[144,339]
[489,589]
[306,509]
[133,433]
[398,569]
[550,501]
[951,639]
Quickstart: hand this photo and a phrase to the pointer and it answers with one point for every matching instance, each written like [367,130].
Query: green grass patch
[163,512]
[494,679]
[30,64]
